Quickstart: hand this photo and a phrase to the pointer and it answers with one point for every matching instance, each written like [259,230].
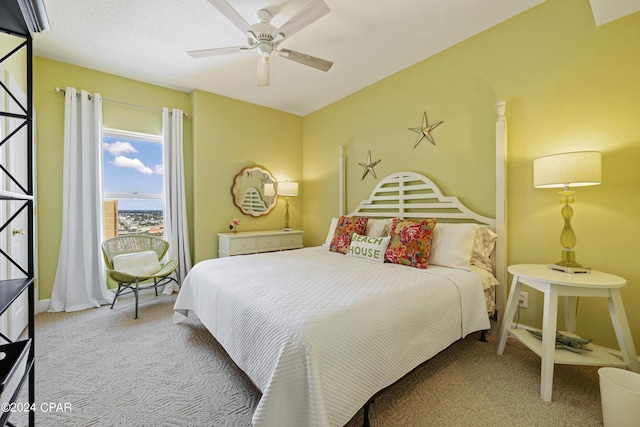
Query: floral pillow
[346,226]
[410,242]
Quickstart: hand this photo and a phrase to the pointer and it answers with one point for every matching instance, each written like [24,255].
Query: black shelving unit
[20,19]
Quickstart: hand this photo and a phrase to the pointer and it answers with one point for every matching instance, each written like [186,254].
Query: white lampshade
[269,190]
[287,188]
[576,169]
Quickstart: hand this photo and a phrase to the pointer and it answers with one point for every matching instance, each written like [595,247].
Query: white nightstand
[253,242]
[554,284]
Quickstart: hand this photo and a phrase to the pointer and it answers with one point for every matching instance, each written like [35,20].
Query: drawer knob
[244,243]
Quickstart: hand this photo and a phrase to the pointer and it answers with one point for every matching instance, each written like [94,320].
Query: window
[133,183]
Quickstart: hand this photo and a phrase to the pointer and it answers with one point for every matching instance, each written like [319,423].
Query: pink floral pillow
[410,242]
[346,226]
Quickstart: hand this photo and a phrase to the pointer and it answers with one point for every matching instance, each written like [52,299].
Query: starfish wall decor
[425,130]
[368,166]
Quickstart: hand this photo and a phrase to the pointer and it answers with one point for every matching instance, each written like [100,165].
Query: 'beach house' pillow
[367,247]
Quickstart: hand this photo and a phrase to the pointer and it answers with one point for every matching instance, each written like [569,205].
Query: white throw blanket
[319,333]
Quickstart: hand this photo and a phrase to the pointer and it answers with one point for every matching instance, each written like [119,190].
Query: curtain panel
[175,211]
[80,280]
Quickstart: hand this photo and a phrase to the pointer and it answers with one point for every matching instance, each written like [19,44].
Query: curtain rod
[58,89]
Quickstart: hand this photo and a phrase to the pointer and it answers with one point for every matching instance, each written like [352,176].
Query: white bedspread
[319,333]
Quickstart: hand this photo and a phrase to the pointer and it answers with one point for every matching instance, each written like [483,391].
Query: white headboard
[411,195]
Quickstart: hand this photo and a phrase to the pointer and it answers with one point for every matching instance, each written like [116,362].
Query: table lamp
[287,189]
[565,170]
[270,191]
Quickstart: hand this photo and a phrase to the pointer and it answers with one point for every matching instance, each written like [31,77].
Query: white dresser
[252,242]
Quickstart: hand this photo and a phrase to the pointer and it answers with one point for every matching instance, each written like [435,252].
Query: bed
[320,332]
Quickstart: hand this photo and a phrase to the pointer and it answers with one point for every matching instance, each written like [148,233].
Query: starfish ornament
[368,166]
[425,130]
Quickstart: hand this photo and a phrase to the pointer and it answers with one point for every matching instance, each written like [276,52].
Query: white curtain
[80,281]
[175,211]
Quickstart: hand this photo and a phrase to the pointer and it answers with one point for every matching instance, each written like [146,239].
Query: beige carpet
[113,370]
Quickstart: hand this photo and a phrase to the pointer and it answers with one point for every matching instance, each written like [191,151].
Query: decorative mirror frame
[267,177]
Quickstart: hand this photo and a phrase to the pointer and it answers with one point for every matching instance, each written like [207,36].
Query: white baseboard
[42,305]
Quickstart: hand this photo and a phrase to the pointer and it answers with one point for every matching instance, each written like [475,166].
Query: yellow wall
[230,135]
[568,85]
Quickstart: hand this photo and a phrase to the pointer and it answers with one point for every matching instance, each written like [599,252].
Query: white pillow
[369,248]
[137,264]
[378,227]
[452,245]
[332,230]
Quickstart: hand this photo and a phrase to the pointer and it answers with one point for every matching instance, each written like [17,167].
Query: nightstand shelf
[597,357]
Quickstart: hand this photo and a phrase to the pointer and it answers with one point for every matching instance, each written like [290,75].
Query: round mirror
[254,192]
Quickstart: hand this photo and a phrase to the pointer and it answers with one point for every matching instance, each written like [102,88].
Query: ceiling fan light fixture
[264,49]
[263,72]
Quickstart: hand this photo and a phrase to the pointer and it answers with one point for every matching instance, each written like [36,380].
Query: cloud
[159,170]
[117,148]
[126,162]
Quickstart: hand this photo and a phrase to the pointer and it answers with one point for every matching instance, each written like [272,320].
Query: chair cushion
[137,264]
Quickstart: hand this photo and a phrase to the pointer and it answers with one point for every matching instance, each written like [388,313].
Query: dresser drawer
[291,241]
[267,243]
[242,244]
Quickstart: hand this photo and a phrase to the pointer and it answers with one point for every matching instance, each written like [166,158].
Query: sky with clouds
[133,166]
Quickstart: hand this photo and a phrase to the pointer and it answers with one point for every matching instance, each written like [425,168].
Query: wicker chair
[131,244]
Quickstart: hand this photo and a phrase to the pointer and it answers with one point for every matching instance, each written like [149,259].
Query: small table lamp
[270,191]
[287,189]
[566,170]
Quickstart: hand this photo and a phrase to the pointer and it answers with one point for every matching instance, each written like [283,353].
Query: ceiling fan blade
[303,58]
[231,14]
[311,13]
[263,71]
[203,53]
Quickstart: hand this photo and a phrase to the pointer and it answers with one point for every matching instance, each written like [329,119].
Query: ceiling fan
[265,38]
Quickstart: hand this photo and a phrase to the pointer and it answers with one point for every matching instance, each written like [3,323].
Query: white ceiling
[146,40]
